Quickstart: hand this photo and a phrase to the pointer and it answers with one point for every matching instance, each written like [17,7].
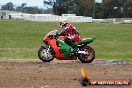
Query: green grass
[22,39]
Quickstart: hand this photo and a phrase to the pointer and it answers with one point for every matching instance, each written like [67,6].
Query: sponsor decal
[85,81]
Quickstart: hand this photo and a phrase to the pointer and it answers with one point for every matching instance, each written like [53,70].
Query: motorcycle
[55,47]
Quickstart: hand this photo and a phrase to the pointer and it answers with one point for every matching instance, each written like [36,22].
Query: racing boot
[70,43]
[75,49]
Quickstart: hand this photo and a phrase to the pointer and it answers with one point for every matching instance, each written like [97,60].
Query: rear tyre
[46,54]
[89,57]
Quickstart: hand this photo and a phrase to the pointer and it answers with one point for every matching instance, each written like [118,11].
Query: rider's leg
[70,43]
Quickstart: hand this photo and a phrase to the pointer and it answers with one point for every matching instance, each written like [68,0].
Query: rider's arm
[63,32]
[75,31]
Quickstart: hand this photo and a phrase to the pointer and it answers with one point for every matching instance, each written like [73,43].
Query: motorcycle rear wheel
[44,55]
[87,58]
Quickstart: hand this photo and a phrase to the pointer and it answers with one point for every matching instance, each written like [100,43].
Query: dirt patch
[41,75]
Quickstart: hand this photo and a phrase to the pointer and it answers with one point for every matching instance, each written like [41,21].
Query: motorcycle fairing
[54,46]
[64,48]
[86,41]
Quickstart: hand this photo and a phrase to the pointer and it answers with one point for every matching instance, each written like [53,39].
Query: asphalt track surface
[61,74]
[95,62]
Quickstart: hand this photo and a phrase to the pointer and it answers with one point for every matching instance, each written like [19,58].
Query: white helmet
[63,22]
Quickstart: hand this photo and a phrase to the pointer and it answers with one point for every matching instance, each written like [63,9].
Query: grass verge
[22,39]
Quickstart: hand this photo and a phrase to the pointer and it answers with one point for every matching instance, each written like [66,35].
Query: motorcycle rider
[71,32]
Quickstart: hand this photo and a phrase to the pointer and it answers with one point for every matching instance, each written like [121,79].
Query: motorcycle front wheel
[89,57]
[46,55]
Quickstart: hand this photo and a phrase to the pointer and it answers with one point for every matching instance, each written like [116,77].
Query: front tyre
[45,54]
[89,57]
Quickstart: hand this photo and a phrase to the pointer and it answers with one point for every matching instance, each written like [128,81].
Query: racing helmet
[63,22]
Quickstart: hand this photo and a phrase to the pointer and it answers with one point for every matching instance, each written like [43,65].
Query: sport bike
[55,47]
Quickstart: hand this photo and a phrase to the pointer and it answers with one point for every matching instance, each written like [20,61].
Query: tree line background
[106,9]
